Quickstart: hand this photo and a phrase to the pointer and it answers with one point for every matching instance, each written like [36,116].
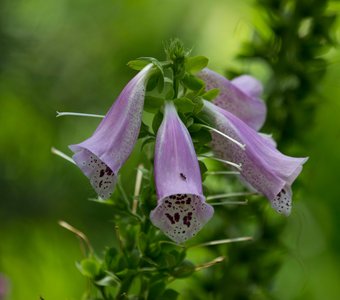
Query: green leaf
[142,242]
[134,258]
[184,104]
[137,64]
[211,94]
[170,294]
[198,104]
[89,267]
[185,269]
[160,83]
[152,104]
[193,83]
[111,257]
[109,280]
[156,122]
[147,141]
[153,81]
[144,131]
[156,290]
[195,64]
[154,61]
[202,137]
[194,128]
[201,149]
[189,122]
[203,169]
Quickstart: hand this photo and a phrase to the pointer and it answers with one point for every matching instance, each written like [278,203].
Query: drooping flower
[181,211]
[266,169]
[240,96]
[102,155]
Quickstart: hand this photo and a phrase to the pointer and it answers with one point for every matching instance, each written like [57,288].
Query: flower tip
[282,203]
[181,216]
[102,177]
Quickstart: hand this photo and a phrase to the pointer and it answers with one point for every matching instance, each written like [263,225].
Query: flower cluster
[235,116]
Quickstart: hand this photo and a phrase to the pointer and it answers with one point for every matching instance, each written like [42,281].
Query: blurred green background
[71,56]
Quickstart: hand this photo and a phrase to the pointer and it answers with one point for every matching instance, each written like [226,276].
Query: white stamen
[222,173]
[225,241]
[230,195]
[62,155]
[66,113]
[242,146]
[209,264]
[237,166]
[245,202]
[138,184]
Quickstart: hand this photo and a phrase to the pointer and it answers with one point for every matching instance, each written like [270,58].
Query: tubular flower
[181,211]
[101,156]
[264,168]
[240,96]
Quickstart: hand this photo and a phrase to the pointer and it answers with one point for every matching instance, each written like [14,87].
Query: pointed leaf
[211,94]
[195,64]
[137,64]
[184,104]
[192,82]
[152,104]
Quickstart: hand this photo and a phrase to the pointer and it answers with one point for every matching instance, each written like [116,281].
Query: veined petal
[101,156]
[181,211]
[239,96]
[265,168]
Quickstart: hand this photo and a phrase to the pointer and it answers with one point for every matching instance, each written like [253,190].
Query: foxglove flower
[263,167]
[181,211]
[101,156]
[240,96]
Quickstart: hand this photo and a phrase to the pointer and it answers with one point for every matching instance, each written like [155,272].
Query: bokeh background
[71,56]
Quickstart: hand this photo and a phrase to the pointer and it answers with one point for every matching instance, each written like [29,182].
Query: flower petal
[239,96]
[113,141]
[263,167]
[178,181]
[176,166]
[181,216]
[249,85]
[102,178]
[282,203]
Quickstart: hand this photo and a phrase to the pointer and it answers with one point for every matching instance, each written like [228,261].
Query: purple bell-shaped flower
[102,155]
[263,167]
[181,211]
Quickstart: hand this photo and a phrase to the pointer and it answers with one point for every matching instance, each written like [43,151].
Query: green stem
[102,292]
[124,287]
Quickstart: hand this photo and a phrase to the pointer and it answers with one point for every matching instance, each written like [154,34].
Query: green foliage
[298,33]
[195,64]
[54,58]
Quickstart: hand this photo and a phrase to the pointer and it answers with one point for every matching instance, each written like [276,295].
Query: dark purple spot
[176,217]
[283,192]
[171,219]
[100,183]
[102,172]
[108,171]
